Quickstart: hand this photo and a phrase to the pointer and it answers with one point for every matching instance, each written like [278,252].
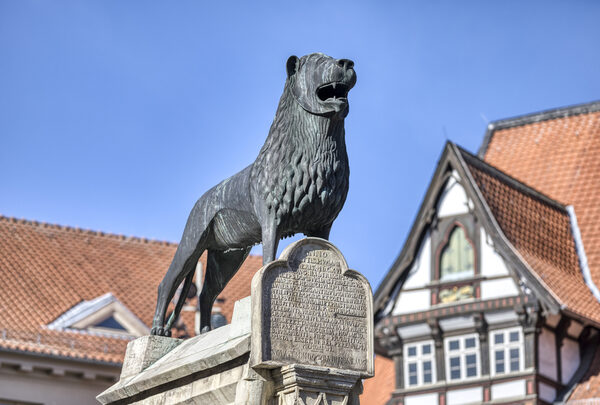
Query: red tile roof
[52,268]
[560,158]
[540,230]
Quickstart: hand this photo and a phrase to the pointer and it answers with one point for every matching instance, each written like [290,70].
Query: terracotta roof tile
[558,157]
[540,230]
[52,268]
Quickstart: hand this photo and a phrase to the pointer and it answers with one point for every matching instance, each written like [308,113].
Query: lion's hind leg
[221,266]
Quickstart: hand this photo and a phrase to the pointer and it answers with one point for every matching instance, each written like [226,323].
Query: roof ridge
[538,116]
[510,180]
[92,232]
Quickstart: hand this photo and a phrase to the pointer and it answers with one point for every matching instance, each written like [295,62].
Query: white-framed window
[462,357]
[506,351]
[419,363]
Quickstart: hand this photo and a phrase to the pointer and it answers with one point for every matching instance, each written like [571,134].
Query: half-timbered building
[494,298]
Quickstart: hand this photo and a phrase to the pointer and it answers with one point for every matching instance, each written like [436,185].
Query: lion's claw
[160,331]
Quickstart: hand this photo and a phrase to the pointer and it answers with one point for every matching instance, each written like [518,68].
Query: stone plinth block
[311,385]
[309,309]
[145,351]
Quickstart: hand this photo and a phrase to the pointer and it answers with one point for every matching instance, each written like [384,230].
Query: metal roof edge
[583,262]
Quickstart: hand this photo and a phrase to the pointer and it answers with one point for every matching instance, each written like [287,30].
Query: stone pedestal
[305,336]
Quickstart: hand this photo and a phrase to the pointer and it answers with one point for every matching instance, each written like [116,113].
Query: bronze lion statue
[298,184]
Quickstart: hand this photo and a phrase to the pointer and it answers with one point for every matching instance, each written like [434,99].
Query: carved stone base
[309,385]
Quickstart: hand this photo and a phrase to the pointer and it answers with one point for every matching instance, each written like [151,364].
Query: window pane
[499,356]
[454,368]
[514,336]
[470,342]
[412,380]
[426,349]
[514,359]
[471,361]
[499,338]
[457,256]
[454,345]
[412,373]
[412,351]
[427,371]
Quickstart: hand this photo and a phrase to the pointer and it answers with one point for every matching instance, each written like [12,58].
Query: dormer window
[109,324]
[457,258]
[105,315]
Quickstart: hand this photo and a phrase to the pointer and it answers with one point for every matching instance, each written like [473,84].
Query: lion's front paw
[160,331]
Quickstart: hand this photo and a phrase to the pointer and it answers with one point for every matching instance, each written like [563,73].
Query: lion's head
[321,83]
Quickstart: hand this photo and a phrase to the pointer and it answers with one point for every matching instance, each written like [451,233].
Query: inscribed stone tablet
[310,309]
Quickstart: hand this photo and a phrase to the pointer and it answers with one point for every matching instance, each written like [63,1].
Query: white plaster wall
[457,322]
[420,273]
[547,393]
[512,389]
[41,387]
[423,399]
[547,354]
[569,356]
[492,263]
[411,331]
[49,390]
[493,318]
[453,200]
[412,301]
[465,396]
[502,287]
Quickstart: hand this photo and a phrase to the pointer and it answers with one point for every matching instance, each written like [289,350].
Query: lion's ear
[292,65]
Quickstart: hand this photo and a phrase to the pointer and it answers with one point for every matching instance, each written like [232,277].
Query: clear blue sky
[117,115]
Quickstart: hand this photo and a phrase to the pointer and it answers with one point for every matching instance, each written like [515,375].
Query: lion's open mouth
[333,91]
